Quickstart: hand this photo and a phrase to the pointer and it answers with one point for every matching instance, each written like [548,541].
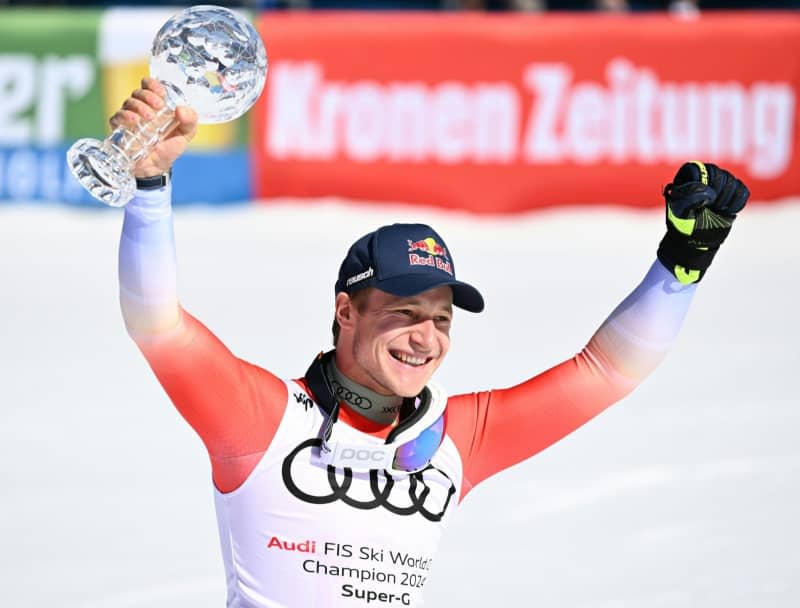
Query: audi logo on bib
[427,492]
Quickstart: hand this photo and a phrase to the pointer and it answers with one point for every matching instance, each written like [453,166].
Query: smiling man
[334,489]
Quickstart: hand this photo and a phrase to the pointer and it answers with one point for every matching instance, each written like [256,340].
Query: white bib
[301,534]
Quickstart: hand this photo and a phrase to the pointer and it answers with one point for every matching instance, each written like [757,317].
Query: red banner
[505,113]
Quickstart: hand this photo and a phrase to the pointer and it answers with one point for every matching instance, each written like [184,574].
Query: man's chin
[409,382]
[411,389]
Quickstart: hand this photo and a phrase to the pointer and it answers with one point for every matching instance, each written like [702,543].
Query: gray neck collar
[381,409]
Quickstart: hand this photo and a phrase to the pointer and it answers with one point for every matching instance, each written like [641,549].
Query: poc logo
[360,457]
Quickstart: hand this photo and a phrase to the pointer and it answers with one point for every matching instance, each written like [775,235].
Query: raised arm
[497,429]
[500,428]
[147,268]
[235,407]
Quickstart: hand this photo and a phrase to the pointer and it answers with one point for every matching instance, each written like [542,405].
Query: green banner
[49,76]
[63,73]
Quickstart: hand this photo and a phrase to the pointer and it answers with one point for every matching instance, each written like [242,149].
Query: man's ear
[344,310]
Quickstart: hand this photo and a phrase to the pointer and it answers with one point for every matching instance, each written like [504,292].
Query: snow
[684,494]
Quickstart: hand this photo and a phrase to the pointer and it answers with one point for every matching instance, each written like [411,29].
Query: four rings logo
[351,397]
[419,495]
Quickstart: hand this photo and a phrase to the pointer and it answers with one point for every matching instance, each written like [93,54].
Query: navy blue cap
[404,260]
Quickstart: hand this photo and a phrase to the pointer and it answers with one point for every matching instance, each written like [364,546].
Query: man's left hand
[701,205]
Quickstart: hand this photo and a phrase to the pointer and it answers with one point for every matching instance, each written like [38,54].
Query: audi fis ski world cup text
[414,574]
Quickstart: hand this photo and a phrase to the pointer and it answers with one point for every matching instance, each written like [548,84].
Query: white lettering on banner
[366,120]
[363,121]
[34,92]
[60,78]
[549,83]
[17,89]
[638,118]
[773,122]
[22,165]
[406,129]
[28,174]
[630,116]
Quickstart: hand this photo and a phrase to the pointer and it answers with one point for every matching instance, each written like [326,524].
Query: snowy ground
[686,494]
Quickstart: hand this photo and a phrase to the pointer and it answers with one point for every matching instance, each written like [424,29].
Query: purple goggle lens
[417,453]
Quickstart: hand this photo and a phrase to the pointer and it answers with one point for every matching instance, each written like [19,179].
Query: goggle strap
[432,405]
[410,414]
[320,386]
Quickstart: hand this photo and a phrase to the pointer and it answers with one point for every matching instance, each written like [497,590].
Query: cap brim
[465,296]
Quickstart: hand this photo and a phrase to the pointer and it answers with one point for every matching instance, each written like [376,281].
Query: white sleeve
[147,264]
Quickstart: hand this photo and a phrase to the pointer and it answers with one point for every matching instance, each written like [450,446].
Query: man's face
[396,343]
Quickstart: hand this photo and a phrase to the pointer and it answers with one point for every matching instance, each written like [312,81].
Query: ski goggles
[409,448]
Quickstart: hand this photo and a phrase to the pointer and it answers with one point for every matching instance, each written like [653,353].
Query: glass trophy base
[103,169]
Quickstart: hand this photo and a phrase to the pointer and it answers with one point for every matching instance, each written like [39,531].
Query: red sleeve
[496,429]
[233,405]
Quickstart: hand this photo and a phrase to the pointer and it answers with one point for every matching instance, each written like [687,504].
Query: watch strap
[155,182]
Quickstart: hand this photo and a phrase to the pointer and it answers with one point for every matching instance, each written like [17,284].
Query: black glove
[702,202]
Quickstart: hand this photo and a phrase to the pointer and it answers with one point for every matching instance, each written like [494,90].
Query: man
[334,489]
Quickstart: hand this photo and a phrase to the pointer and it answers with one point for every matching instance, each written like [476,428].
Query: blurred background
[680,6]
[536,136]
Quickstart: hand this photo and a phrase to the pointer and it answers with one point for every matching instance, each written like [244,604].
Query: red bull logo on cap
[436,258]
[428,245]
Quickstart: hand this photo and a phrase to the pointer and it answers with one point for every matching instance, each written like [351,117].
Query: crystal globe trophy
[207,57]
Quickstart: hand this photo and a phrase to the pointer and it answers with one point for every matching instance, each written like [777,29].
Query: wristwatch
[155,182]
